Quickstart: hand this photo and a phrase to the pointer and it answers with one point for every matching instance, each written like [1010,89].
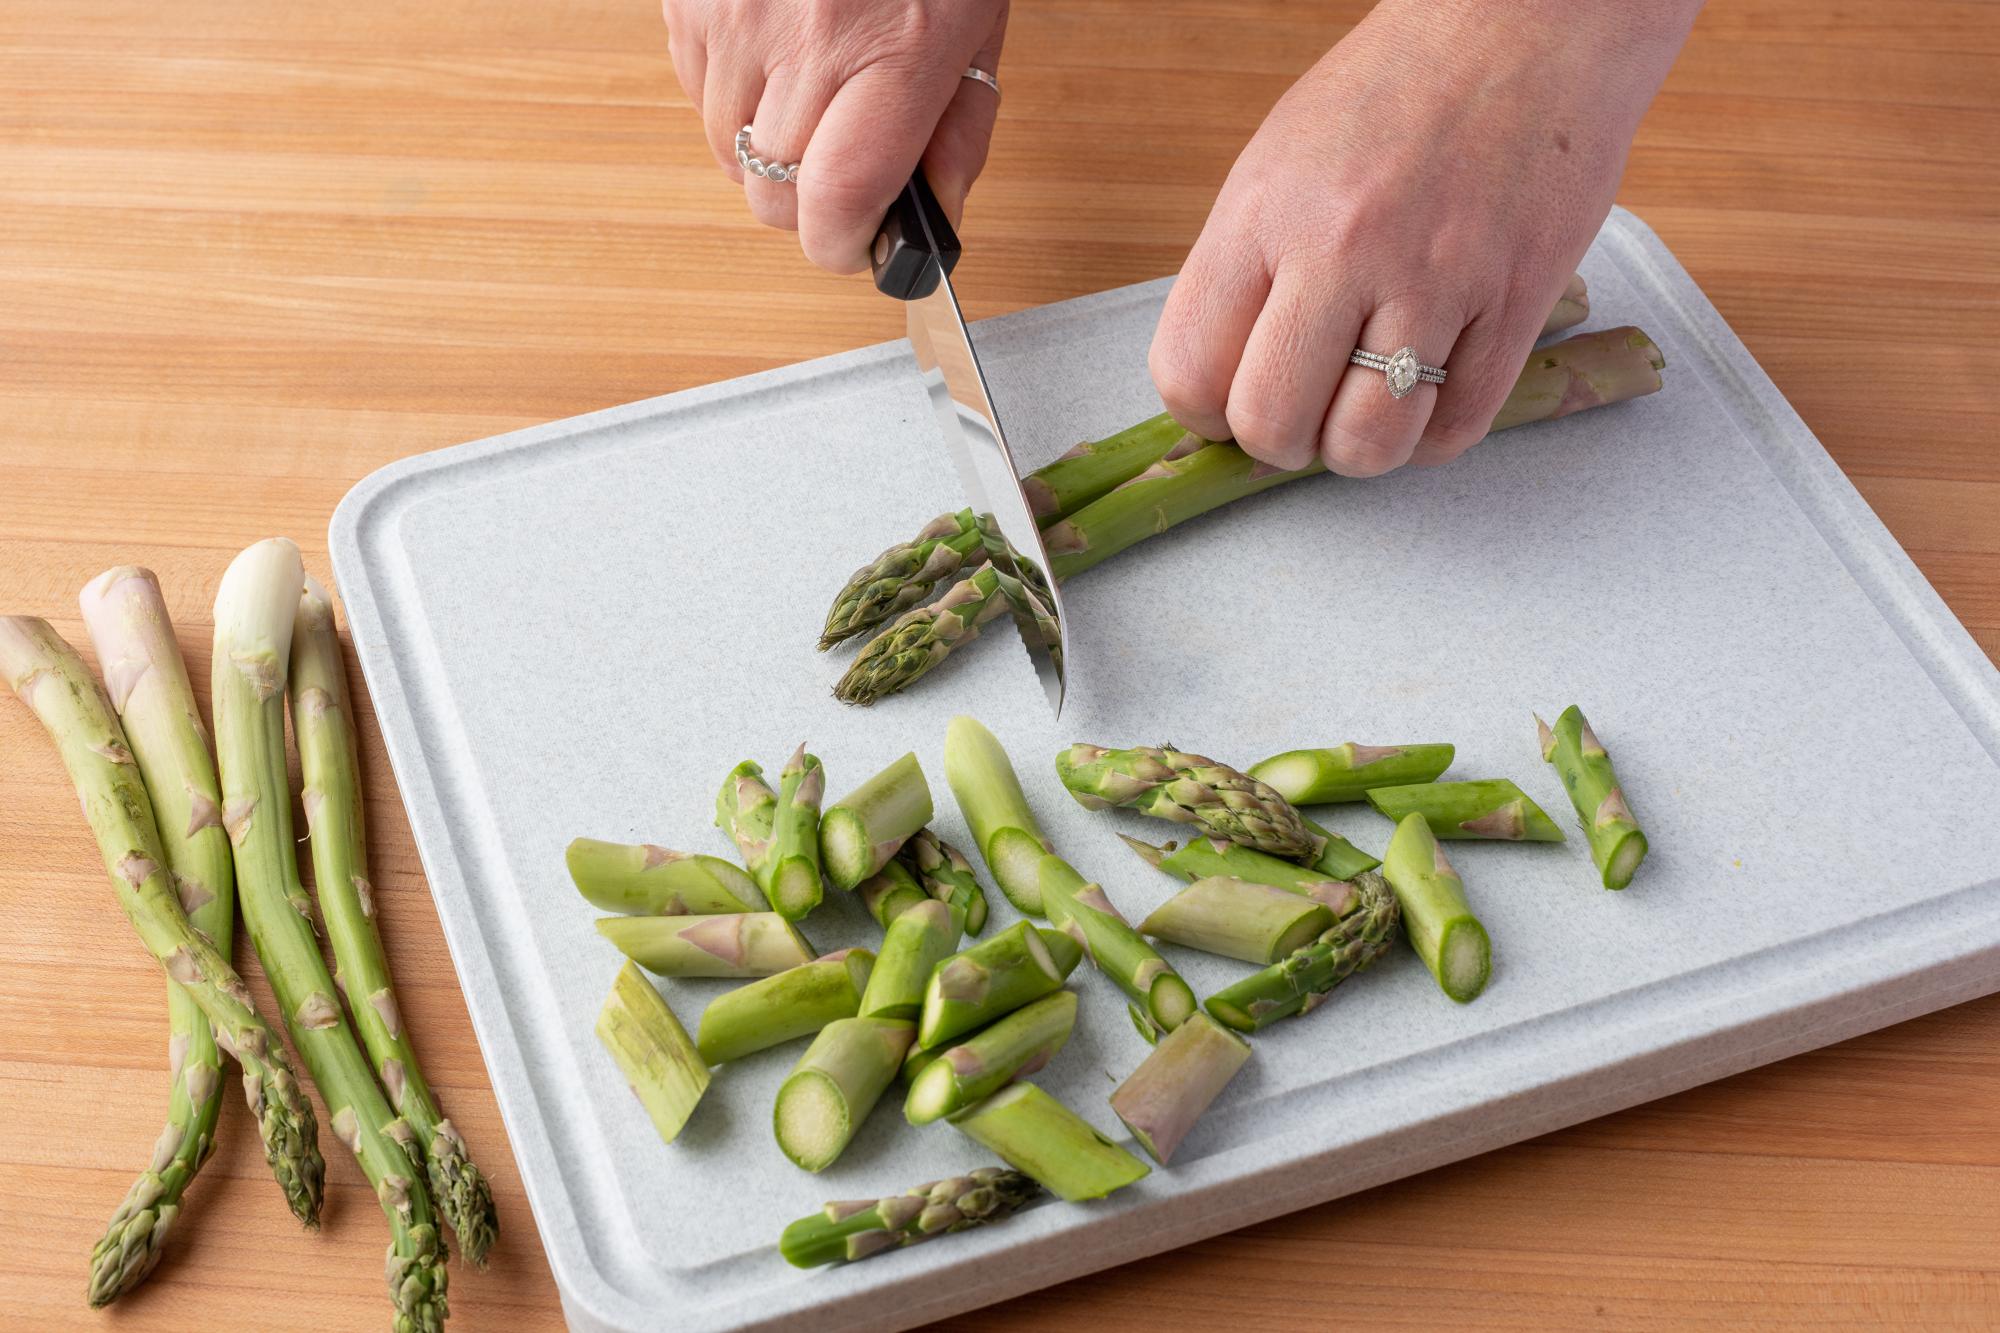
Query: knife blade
[915,252]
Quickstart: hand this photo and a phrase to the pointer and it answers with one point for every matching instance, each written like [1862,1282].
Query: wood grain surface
[251,251]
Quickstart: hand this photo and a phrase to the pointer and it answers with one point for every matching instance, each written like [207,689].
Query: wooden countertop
[250,252]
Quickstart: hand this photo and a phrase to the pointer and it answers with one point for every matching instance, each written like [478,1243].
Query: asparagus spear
[993,978]
[1189,789]
[1063,951]
[945,873]
[1338,858]
[148,686]
[1617,844]
[1178,1081]
[917,941]
[792,875]
[646,880]
[746,809]
[1090,471]
[922,638]
[859,835]
[255,610]
[652,1050]
[834,1086]
[1206,857]
[1346,772]
[737,944]
[794,1003]
[1439,921]
[856,1230]
[989,796]
[1492,809]
[904,575]
[892,891]
[57,688]
[1301,982]
[1035,1133]
[982,1064]
[1236,918]
[1589,370]
[1161,1000]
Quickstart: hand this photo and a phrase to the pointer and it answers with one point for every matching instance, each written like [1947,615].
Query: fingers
[730,92]
[686,49]
[1209,316]
[1484,366]
[862,152]
[1291,363]
[958,146]
[1368,430]
[793,102]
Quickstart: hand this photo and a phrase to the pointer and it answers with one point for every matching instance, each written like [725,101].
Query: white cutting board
[577,629]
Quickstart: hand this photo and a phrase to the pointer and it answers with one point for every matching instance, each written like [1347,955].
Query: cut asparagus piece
[1033,1132]
[991,979]
[834,1086]
[1178,1081]
[870,824]
[1491,809]
[1346,772]
[652,1050]
[955,1077]
[1188,789]
[1206,857]
[1064,952]
[255,611]
[794,1003]
[48,676]
[945,873]
[148,686]
[849,1231]
[1617,844]
[1082,911]
[891,891]
[792,875]
[1436,915]
[646,880]
[1299,983]
[746,809]
[737,944]
[1338,858]
[904,576]
[1236,918]
[989,796]
[1571,308]
[917,941]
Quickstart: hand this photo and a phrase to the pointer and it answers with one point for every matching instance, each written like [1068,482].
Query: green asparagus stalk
[991,979]
[255,610]
[1439,921]
[148,686]
[834,1086]
[849,1231]
[1065,952]
[1161,1000]
[1490,809]
[1617,844]
[1177,1082]
[794,1003]
[792,875]
[652,1050]
[1346,772]
[989,796]
[1571,308]
[922,638]
[1015,1047]
[1189,789]
[916,942]
[892,891]
[48,676]
[1301,982]
[1033,1132]
[904,576]
[646,880]
[737,944]
[1204,858]
[945,873]
[746,809]
[1338,858]
[1236,918]
[1589,370]
[859,835]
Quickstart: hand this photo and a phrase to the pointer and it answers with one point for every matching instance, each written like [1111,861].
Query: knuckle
[1265,433]
[1185,385]
[1364,451]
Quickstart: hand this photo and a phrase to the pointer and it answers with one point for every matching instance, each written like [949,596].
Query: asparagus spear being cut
[1237,918]
[652,1050]
[989,795]
[834,1086]
[849,1231]
[991,1058]
[1617,844]
[1161,1001]
[916,942]
[904,576]
[148,686]
[1203,858]
[746,809]
[945,873]
[255,610]
[1346,772]
[922,638]
[735,944]
[892,891]
[991,979]
[1189,789]
[48,676]
[1033,1132]
[792,874]
[1090,471]
[1436,916]
[1491,809]
[1301,982]
[794,1003]
[859,834]
[645,880]
[1178,1081]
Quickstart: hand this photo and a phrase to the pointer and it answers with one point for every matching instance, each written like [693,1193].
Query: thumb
[957,150]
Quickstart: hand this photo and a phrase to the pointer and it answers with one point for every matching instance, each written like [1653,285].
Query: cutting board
[577,629]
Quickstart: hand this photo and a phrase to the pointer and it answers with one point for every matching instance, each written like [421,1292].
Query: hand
[857,91]
[1430,183]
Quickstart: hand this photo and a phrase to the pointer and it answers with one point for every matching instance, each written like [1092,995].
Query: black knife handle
[914,232]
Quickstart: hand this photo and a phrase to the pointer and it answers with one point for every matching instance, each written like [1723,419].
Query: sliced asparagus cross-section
[891,891]
[1617,844]
[1238,918]
[792,875]
[641,879]
[1033,1132]
[861,832]
[1161,999]
[1340,773]
[1300,982]
[730,944]
[1178,1081]
[1436,915]
[1492,809]
[993,978]
[1189,789]
[795,1003]
[834,1086]
[916,942]
[989,795]
[1018,1045]
[858,1229]
[652,1050]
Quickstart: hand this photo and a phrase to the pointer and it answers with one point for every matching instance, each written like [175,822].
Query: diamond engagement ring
[748,159]
[1400,367]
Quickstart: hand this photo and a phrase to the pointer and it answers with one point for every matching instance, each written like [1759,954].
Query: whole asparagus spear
[148,685]
[255,610]
[55,685]
[1189,789]
[856,1230]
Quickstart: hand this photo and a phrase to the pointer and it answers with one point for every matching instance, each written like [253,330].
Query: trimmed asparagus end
[1465,959]
[1624,860]
[930,1094]
[652,1049]
[1015,857]
[1290,774]
[811,1120]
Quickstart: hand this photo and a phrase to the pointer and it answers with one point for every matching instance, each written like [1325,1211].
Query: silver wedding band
[981,76]
[1401,368]
[752,161]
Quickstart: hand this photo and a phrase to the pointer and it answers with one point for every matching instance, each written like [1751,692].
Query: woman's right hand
[856,91]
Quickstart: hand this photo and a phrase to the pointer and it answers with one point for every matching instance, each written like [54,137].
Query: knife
[914,253]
